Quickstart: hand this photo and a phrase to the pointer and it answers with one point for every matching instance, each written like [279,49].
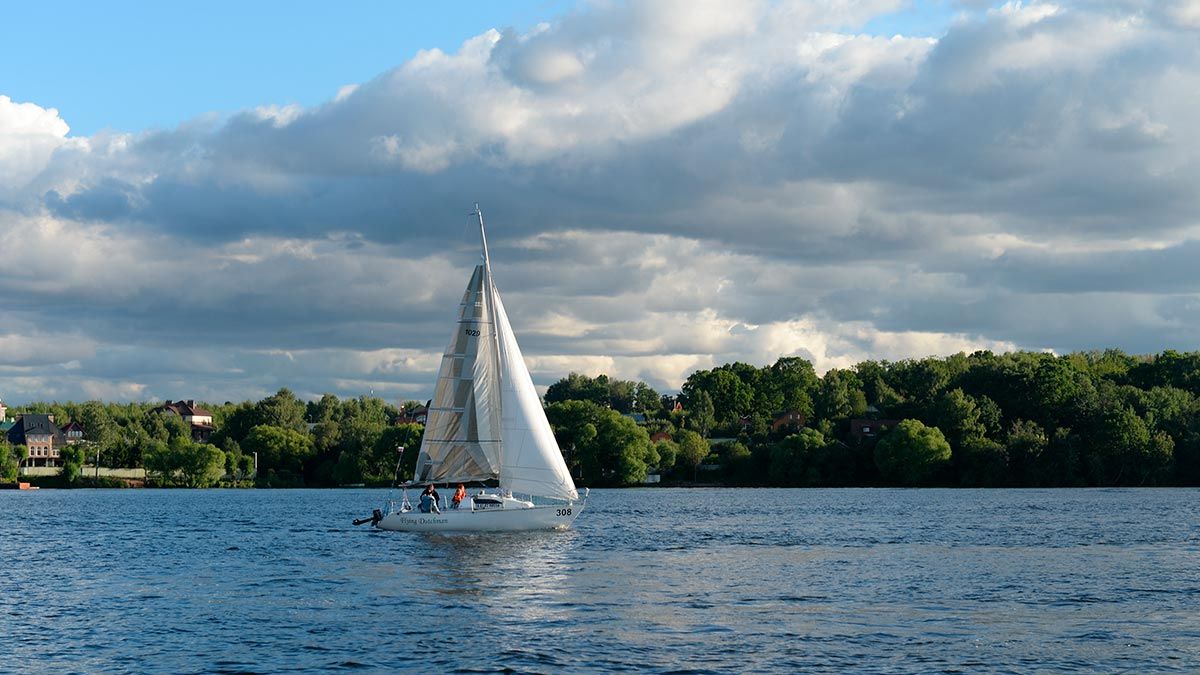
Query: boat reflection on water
[508,570]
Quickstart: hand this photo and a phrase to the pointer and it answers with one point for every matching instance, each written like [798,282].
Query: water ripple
[673,581]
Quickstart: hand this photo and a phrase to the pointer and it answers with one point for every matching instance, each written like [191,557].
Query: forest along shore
[972,420]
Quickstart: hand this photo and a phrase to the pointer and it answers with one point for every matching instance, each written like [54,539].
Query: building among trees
[863,429]
[42,436]
[414,415]
[792,419]
[198,418]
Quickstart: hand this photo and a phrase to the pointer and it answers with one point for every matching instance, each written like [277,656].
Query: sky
[214,201]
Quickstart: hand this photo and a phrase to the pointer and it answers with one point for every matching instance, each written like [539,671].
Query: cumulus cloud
[29,134]
[671,186]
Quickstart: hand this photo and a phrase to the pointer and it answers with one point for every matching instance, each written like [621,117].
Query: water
[651,580]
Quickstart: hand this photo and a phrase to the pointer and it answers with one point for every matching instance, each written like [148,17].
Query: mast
[491,298]
[487,263]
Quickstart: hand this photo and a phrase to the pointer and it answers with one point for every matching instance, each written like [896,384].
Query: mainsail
[486,420]
[462,430]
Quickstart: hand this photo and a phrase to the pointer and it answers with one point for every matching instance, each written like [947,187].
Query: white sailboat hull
[557,517]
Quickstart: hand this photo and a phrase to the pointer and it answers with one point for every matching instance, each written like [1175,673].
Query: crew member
[459,495]
[429,500]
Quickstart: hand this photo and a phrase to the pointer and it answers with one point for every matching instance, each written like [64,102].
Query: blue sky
[921,17]
[135,65]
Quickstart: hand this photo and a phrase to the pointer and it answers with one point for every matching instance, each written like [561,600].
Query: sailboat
[486,425]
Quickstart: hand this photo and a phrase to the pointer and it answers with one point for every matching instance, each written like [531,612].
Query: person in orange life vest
[459,495]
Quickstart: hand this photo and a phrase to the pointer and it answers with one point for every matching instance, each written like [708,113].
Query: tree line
[983,419]
[326,442]
[980,420]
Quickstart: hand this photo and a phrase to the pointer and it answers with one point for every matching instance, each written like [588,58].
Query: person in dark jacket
[429,500]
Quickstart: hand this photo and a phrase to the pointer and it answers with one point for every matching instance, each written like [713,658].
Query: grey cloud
[1170,270]
[859,185]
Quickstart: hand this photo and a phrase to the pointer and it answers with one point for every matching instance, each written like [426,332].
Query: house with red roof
[197,417]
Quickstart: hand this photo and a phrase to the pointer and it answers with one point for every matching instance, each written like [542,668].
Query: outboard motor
[376,516]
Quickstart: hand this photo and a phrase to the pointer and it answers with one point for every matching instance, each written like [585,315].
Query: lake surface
[650,580]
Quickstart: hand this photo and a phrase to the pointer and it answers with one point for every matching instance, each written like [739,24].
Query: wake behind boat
[486,424]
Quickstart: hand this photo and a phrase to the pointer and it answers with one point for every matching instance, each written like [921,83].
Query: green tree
[280,450]
[72,458]
[238,421]
[619,454]
[990,416]
[98,426]
[622,396]
[574,425]
[701,416]
[579,387]
[911,454]
[793,459]
[11,457]
[176,427]
[158,460]
[1061,463]
[693,448]
[601,446]
[327,409]
[196,465]
[667,451]
[1026,443]
[809,459]
[982,462]
[154,426]
[358,434]
[381,464]
[731,395]
[350,468]
[1187,459]
[737,462]
[646,400]
[282,409]
[840,396]
[1053,385]
[921,381]
[796,381]
[184,463]
[959,419]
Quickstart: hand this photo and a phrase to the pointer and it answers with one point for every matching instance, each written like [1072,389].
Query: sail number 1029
[564,512]
[472,332]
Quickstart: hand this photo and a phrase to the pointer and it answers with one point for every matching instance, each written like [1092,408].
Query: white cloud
[670,186]
[29,134]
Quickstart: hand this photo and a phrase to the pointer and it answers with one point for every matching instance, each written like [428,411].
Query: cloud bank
[669,186]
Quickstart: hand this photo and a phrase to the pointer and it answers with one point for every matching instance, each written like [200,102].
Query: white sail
[486,421]
[530,460]
[462,432]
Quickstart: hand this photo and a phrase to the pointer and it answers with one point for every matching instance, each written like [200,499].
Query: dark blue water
[653,580]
